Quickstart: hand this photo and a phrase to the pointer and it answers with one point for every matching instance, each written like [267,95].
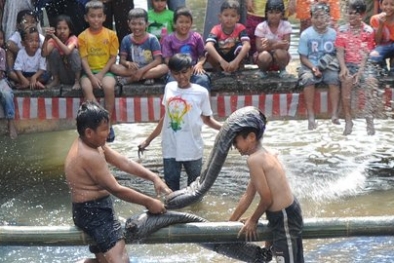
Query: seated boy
[228,43]
[354,42]
[140,52]
[317,43]
[98,47]
[273,40]
[160,19]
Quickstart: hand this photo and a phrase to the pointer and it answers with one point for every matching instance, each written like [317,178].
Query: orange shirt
[303,10]
[388,30]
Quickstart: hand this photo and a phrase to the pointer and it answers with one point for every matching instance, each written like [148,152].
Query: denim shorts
[329,77]
[173,168]
[97,219]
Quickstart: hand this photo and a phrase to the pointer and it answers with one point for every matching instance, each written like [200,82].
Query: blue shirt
[314,45]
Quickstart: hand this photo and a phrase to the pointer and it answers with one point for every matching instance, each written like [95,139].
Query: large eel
[244,117]
[141,226]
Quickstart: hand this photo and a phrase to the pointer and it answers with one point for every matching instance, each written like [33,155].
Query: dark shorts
[286,227]
[97,219]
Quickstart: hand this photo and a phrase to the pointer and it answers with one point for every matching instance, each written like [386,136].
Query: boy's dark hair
[21,15]
[231,4]
[90,115]
[27,31]
[182,11]
[95,4]
[179,62]
[259,122]
[138,13]
[320,7]
[274,5]
[68,21]
[357,5]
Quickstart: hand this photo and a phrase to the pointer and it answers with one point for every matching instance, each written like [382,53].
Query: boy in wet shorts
[318,62]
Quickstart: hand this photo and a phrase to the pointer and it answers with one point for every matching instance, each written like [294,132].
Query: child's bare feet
[335,120]
[348,128]
[370,126]
[312,124]
[76,85]
[39,85]
[52,84]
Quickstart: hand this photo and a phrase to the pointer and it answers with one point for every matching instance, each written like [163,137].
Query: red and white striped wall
[149,109]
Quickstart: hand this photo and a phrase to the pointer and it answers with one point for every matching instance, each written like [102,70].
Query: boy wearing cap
[268,180]
[317,56]
[354,42]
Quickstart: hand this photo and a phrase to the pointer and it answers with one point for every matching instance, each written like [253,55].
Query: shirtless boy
[91,183]
[268,180]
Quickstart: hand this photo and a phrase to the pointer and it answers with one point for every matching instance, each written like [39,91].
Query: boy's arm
[341,61]
[132,167]
[243,53]
[212,52]
[156,132]
[211,122]
[259,181]
[107,67]
[244,202]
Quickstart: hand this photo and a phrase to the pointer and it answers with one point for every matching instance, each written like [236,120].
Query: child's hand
[344,73]
[96,82]
[233,66]
[265,43]
[316,72]
[283,44]
[137,76]
[382,17]
[224,64]
[249,230]
[131,65]
[249,6]
[198,69]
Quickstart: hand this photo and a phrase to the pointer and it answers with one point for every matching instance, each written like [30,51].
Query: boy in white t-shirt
[187,107]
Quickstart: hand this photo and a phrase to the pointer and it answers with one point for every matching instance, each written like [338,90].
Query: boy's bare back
[267,171]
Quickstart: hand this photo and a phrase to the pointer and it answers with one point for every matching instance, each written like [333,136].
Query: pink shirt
[70,40]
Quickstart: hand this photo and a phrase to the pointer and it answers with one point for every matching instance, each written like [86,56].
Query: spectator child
[273,40]
[140,52]
[172,4]
[6,93]
[316,45]
[256,14]
[354,42]
[91,184]
[98,48]
[30,66]
[276,200]
[183,40]
[160,19]
[187,107]
[61,48]
[382,24]
[25,18]
[228,43]
[303,12]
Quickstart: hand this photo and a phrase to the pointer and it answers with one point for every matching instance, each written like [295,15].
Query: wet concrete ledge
[280,99]
[240,83]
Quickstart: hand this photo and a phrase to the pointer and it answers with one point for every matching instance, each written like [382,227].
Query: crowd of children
[88,60]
